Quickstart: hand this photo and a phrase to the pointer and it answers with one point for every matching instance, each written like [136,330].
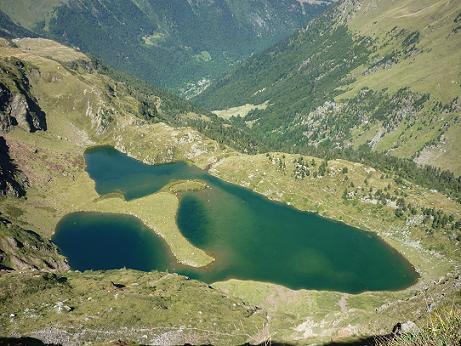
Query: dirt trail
[343,303]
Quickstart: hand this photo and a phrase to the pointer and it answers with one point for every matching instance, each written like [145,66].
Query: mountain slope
[84,106]
[152,308]
[9,29]
[166,42]
[22,249]
[383,74]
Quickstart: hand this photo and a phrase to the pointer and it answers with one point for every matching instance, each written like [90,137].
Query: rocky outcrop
[101,117]
[6,120]
[408,327]
[17,105]
[12,181]
[22,249]
[27,113]
[19,109]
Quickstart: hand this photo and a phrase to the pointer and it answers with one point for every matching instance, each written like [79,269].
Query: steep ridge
[379,75]
[171,43]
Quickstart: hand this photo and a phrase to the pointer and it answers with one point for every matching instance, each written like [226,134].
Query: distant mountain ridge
[383,75]
[169,42]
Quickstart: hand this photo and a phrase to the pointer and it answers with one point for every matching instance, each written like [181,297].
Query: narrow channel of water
[250,236]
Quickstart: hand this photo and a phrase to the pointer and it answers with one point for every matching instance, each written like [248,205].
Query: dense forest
[165,42]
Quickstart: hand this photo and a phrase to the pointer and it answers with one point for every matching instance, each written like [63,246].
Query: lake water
[250,236]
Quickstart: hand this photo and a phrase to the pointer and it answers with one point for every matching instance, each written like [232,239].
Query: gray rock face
[20,109]
[12,181]
[60,307]
[409,327]
[6,120]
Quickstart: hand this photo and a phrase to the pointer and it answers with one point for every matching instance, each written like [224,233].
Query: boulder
[408,327]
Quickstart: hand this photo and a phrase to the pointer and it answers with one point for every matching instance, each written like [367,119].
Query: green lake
[251,237]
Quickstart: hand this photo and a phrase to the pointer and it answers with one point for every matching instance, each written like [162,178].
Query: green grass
[152,306]
[60,185]
[364,135]
[443,327]
[239,111]
[181,186]
[445,155]
[437,68]
[48,49]
[157,212]
[154,39]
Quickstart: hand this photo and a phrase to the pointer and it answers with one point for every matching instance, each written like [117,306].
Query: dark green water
[250,237]
[94,241]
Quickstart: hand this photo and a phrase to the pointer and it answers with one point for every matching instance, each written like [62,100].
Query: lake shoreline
[308,259]
[67,194]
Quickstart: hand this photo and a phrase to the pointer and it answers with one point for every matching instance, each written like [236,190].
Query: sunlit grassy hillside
[384,75]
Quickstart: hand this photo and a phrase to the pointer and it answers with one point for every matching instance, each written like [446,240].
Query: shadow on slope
[23,341]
